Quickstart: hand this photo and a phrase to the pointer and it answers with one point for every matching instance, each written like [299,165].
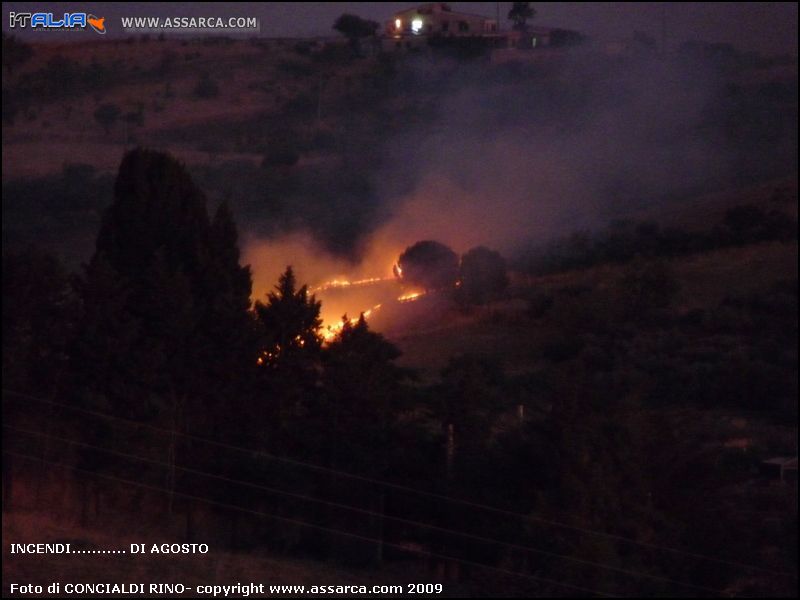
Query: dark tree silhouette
[206,87]
[428,264]
[15,52]
[37,315]
[484,276]
[290,323]
[103,355]
[354,424]
[107,115]
[289,344]
[228,286]
[470,399]
[363,396]
[560,38]
[520,13]
[645,287]
[354,28]
[170,279]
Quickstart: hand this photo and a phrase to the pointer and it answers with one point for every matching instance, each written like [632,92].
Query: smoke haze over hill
[509,157]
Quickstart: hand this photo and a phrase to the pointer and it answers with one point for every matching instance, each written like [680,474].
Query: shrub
[483,276]
[428,264]
[206,88]
[107,115]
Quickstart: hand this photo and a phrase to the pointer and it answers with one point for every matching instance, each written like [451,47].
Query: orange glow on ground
[410,296]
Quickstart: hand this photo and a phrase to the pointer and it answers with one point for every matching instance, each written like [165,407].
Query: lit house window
[416,25]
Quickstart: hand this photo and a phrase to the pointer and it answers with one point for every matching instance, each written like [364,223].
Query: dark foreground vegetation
[149,380]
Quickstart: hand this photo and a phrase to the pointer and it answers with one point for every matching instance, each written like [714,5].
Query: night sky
[767,27]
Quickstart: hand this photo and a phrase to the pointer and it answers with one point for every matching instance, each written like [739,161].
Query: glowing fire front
[343,283]
[330,331]
[410,296]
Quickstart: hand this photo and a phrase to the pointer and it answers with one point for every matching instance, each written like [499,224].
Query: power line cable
[302,523]
[368,512]
[401,487]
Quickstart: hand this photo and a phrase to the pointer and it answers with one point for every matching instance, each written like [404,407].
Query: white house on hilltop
[439,19]
[411,28]
[417,27]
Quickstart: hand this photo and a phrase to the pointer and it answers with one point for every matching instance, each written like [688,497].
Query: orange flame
[331,331]
[410,296]
[340,283]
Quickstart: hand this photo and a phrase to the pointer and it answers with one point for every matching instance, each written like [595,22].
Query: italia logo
[97,23]
[47,21]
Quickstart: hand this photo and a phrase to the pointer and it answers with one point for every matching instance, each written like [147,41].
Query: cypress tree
[165,283]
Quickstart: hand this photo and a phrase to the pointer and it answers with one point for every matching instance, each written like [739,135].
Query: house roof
[447,11]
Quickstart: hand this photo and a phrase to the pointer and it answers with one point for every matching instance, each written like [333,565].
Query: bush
[748,223]
[428,264]
[280,154]
[107,115]
[560,348]
[483,276]
[295,68]
[303,48]
[540,305]
[206,88]
[646,286]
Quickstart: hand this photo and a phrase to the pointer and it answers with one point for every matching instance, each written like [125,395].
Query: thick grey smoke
[509,156]
[514,158]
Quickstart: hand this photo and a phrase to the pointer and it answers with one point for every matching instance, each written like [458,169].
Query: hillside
[394,317]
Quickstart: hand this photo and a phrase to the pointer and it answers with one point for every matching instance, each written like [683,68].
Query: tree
[560,38]
[135,118]
[107,115]
[362,394]
[741,221]
[206,87]
[646,287]
[288,350]
[354,28]
[520,13]
[37,317]
[290,323]
[281,151]
[483,275]
[357,422]
[12,104]
[428,264]
[15,53]
[470,400]
[103,357]
[233,282]
[163,268]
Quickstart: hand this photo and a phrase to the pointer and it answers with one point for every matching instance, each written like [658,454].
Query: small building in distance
[414,27]
[436,24]
[438,18]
